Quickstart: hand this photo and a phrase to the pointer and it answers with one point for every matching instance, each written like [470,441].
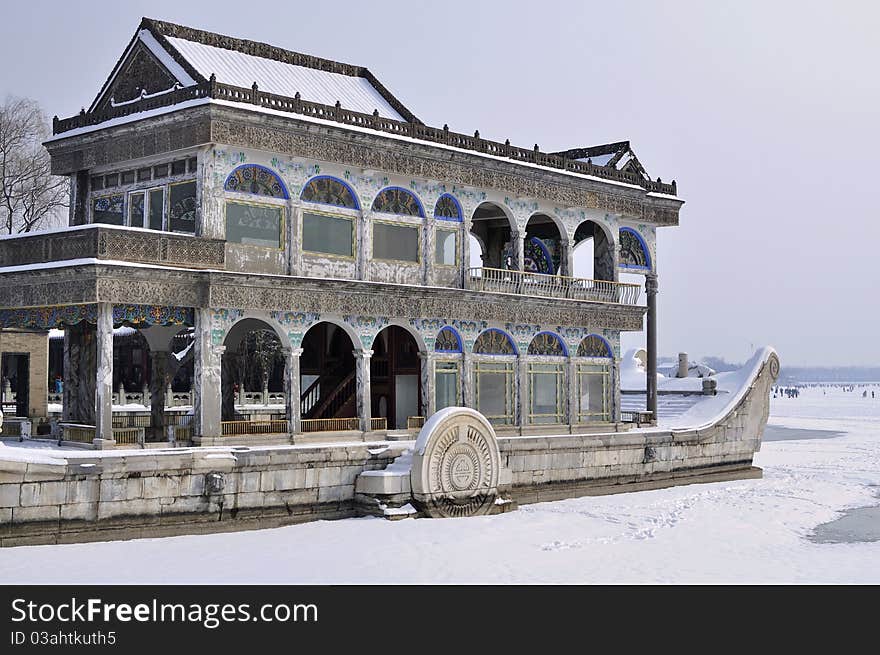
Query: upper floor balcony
[77,245]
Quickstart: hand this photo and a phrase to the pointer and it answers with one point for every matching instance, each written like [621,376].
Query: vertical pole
[467,380]
[651,288]
[292,390]
[104,377]
[364,397]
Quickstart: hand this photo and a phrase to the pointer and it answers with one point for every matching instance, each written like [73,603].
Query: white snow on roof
[599,160]
[240,69]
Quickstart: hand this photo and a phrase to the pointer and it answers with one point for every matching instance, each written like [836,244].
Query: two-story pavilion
[234,187]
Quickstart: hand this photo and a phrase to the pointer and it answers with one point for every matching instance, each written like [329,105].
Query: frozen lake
[801,523]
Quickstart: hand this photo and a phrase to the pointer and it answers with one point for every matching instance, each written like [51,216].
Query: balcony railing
[329,424]
[113,243]
[552,286]
[230,428]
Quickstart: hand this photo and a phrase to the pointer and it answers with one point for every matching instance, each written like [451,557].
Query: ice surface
[744,532]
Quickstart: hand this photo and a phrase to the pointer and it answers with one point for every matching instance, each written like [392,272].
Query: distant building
[290,213]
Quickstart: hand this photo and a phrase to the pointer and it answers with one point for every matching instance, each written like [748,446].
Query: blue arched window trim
[644,250]
[538,242]
[408,192]
[457,336]
[609,350]
[506,336]
[264,168]
[357,201]
[457,204]
[558,338]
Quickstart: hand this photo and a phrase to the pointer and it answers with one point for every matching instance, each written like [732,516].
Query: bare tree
[30,196]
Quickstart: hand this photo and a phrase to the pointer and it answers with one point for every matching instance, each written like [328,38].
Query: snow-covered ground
[752,531]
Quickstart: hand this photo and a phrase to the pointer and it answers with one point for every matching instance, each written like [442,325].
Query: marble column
[615,391]
[572,392]
[364,245]
[207,381]
[429,254]
[158,390]
[78,391]
[519,240]
[104,377]
[651,288]
[429,398]
[364,395]
[468,398]
[566,263]
[292,392]
[465,263]
[521,413]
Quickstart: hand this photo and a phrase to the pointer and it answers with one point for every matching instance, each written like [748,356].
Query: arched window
[395,200]
[448,209]
[547,343]
[256,180]
[537,257]
[594,346]
[447,341]
[494,342]
[328,190]
[633,250]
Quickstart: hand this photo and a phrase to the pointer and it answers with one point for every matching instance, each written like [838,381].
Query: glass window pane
[157,208]
[182,207]
[128,177]
[255,225]
[446,247]
[446,385]
[144,174]
[396,242]
[178,167]
[593,393]
[108,210]
[136,209]
[328,234]
[494,387]
[546,405]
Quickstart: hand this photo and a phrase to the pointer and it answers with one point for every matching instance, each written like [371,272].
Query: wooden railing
[552,286]
[128,435]
[415,422]
[338,114]
[378,423]
[253,427]
[329,424]
[337,398]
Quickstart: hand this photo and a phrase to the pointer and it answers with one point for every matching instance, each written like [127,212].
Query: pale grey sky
[764,112]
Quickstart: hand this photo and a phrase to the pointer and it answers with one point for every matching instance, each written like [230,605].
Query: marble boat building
[326,306]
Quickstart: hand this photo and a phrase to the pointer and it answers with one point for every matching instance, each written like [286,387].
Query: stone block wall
[156,493]
[37,345]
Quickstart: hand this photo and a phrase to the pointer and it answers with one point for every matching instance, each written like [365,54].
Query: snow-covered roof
[618,155]
[241,69]
[178,57]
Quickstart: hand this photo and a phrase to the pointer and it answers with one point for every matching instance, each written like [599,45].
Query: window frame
[412,226]
[497,364]
[101,196]
[282,206]
[594,362]
[456,233]
[167,213]
[542,367]
[453,364]
[352,219]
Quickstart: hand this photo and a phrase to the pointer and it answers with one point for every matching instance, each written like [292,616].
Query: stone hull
[127,494]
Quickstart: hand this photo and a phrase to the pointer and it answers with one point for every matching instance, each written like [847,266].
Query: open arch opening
[542,249]
[252,372]
[327,374]
[492,228]
[395,377]
[593,252]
